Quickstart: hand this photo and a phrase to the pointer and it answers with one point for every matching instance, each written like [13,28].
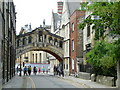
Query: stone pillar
[53,40]
[43,38]
[37,38]
[47,39]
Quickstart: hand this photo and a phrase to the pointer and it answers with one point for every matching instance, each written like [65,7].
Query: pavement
[17,82]
[85,83]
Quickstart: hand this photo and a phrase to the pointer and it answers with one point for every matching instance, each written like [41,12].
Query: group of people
[28,70]
[58,70]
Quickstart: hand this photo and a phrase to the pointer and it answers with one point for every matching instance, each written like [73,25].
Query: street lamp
[20,65]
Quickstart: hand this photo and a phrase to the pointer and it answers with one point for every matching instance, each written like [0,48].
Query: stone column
[43,36]
[47,40]
[37,38]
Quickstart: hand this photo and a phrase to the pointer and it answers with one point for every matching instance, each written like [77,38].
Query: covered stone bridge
[40,39]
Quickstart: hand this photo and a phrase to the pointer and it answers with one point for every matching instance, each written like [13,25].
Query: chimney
[60,7]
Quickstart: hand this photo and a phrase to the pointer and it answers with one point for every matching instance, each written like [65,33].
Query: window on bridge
[29,39]
[61,44]
[24,41]
[45,38]
[56,42]
[50,40]
[40,36]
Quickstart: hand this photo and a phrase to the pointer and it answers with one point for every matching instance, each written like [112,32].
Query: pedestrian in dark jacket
[35,70]
[29,70]
[54,69]
[61,70]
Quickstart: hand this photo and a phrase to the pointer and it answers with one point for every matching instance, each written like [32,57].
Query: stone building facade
[68,8]
[7,41]
[64,29]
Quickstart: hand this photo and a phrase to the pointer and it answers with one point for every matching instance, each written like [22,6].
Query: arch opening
[60,59]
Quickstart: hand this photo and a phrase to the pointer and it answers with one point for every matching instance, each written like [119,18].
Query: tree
[101,57]
[108,19]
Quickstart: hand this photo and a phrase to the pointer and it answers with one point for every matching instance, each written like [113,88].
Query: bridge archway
[58,57]
[40,39]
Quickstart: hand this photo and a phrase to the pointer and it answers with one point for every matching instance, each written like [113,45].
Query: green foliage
[117,49]
[109,17]
[101,57]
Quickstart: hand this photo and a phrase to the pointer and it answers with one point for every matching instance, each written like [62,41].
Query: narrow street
[77,39]
[45,81]
[40,81]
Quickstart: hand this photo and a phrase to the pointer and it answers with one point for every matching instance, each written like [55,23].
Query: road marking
[33,84]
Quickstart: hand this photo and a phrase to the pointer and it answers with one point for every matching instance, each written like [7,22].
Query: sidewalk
[86,83]
[17,82]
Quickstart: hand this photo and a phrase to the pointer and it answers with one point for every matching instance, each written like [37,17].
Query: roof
[72,6]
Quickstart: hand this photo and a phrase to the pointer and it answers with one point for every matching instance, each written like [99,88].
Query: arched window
[61,44]
[36,57]
[33,58]
[29,39]
[24,41]
[56,42]
[40,36]
[50,40]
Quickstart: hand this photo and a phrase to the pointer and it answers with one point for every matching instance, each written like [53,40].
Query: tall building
[76,41]
[7,41]
[68,8]
[1,39]
[61,26]
[55,29]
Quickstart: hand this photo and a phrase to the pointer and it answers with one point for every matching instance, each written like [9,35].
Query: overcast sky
[34,11]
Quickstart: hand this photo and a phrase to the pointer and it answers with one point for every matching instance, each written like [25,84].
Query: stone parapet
[84,75]
[105,80]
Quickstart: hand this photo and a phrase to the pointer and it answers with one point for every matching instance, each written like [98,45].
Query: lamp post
[20,65]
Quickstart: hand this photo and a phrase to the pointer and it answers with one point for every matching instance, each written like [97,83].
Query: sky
[34,12]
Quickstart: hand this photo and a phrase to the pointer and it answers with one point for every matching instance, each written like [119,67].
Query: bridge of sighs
[40,39]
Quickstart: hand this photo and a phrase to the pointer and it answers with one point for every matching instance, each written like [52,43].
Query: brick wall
[76,35]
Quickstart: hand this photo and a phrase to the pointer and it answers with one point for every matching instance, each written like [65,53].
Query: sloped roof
[72,6]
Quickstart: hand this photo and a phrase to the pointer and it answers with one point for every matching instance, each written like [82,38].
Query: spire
[44,23]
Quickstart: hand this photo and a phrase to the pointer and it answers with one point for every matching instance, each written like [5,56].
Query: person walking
[25,71]
[54,69]
[43,69]
[39,69]
[57,71]
[35,70]
[61,70]
[29,70]
[17,69]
